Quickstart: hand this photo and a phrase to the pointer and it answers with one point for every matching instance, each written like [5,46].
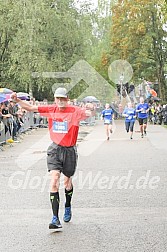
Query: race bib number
[130,117]
[60,127]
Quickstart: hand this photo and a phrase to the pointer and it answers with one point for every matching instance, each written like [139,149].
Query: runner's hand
[89,106]
[14,97]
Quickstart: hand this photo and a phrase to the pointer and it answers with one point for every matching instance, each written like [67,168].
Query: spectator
[7,119]
[13,108]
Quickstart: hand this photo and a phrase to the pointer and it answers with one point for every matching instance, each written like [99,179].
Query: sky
[94,3]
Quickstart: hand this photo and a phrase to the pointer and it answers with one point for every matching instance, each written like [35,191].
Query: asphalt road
[119,202]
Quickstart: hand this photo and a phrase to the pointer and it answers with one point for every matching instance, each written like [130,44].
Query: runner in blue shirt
[107,116]
[130,114]
[142,109]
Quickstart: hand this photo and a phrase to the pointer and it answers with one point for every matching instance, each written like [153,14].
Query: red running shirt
[64,124]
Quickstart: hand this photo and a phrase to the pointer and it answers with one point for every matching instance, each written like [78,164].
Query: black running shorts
[142,121]
[63,159]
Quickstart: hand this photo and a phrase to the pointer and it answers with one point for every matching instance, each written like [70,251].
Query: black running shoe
[55,223]
[142,135]
[145,133]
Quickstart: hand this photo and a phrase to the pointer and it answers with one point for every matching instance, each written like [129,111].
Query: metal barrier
[27,122]
[30,120]
[6,132]
[39,121]
[88,121]
[2,133]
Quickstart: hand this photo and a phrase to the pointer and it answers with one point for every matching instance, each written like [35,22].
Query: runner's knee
[55,180]
[67,183]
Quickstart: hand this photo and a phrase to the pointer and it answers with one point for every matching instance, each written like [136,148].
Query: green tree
[137,35]
[40,36]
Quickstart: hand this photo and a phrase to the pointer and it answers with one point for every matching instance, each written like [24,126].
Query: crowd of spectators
[12,117]
[158,113]
[14,120]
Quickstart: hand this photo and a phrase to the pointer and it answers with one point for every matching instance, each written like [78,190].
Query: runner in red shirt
[63,120]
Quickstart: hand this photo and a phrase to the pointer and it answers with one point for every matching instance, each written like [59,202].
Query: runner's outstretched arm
[24,104]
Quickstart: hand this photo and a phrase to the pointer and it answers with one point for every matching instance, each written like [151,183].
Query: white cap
[61,92]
